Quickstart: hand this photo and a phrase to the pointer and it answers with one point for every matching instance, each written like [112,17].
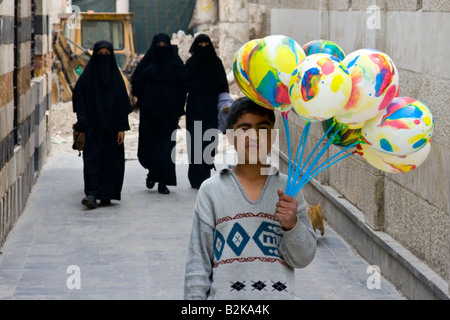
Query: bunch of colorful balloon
[393,132]
[355,98]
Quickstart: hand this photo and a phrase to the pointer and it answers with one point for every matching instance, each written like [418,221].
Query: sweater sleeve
[299,244]
[199,262]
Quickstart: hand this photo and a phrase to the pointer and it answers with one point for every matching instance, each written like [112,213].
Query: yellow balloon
[240,71]
[320,87]
[271,63]
[393,163]
[404,127]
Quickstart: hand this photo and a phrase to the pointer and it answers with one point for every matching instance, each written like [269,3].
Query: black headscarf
[159,78]
[206,67]
[208,52]
[156,54]
[100,98]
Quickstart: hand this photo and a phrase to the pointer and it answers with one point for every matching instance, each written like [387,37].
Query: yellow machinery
[73,42]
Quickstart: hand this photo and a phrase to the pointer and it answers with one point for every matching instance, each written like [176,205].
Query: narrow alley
[136,248]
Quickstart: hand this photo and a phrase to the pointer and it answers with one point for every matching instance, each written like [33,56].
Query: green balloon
[345,137]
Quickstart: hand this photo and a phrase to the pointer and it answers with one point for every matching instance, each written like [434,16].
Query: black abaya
[158,83]
[206,79]
[102,105]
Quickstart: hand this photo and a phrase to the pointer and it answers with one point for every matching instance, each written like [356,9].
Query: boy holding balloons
[247,235]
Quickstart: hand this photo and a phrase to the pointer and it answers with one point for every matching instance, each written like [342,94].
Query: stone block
[232,36]
[6,25]
[340,5]
[206,12]
[404,41]
[419,226]
[24,54]
[300,25]
[433,92]
[7,8]
[403,5]
[416,41]
[26,105]
[364,5]
[6,88]
[348,30]
[7,118]
[24,8]
[362,185]
[299,4]
[436,5]
[42,45]
[233,11]
[41,8]
[434,59]
[6,58]
[258,21]
[23,82]
[431,180]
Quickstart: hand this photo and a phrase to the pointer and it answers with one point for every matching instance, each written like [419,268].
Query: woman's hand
[76,133]
[225,109]
[120,137]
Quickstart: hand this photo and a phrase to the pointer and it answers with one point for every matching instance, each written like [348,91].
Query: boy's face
[252,138]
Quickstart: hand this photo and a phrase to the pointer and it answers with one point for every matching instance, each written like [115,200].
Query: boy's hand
[286,210]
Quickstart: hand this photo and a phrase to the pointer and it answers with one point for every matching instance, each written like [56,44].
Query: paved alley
[136,248]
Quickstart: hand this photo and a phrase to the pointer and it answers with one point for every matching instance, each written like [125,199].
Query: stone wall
[24,103]
[412,207]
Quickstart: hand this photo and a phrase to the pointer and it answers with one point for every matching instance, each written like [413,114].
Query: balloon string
[288,140]
[301,147]
[297,174]
[335,156]
[319,169]
[319,155]
[298,188]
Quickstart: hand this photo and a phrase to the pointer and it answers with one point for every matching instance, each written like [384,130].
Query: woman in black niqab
[206,79]
[158,84]
[102,105]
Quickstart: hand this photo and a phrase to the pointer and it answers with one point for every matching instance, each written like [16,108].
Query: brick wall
[24,102]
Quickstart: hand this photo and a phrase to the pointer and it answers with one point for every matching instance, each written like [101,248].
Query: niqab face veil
[161,52]
[103,63]
[103,69]
[101,91]
[157,54]
[205,65]
[207,54]
[161,59]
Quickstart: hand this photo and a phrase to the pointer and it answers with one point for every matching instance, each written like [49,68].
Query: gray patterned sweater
[238,249]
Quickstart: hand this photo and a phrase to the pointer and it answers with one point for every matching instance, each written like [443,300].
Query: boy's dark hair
[245,105]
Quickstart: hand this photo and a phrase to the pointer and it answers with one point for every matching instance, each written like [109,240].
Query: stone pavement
[136,248]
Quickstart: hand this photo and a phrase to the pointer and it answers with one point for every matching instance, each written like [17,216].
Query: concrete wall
[412,207]
[22,157]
